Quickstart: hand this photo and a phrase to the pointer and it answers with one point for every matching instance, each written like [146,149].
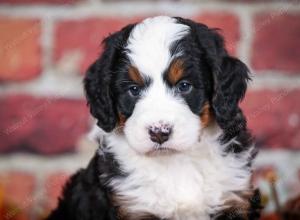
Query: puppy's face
[165,107]
[162,90]
[155,81]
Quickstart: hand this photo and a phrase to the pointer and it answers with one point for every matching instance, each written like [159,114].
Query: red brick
[41,125]
[20,54]
[227,23]
[274,117]
[84,37]
[54,184]
[14,2]
[18,189]
[276,44]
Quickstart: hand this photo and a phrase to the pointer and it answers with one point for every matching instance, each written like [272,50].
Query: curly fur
[202,169]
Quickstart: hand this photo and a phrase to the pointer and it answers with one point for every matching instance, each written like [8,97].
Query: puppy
[176,144]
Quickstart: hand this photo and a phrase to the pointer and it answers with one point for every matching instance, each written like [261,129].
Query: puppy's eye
[184,87]
[134,91]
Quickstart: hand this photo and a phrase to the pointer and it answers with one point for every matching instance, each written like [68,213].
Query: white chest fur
[183,186]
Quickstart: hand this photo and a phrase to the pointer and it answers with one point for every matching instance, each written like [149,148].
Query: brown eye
[184,87]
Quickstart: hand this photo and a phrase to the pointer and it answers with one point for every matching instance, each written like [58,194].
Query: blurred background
[46,46]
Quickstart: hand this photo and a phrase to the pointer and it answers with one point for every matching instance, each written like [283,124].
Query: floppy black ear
[98,80]
[230,77]
[99,97]
[230,87]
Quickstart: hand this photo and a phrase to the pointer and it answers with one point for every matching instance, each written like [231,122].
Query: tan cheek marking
[176,71]
[206,115]
[122,119]
[135,75]
[121,123]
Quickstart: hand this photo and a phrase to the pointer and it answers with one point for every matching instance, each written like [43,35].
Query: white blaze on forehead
[150,41]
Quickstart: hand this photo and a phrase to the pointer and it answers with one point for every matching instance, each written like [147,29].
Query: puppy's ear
[230,84]
[98,80]
[99,97]
[230,77]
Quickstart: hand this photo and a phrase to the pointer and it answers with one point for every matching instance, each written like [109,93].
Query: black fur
[98,82]
[235,213]
[218,79]
[85,197]
[230,77]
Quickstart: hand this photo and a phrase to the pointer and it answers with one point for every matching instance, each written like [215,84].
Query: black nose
[158,135]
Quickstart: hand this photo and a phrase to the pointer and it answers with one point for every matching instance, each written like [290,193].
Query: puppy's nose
[160,134]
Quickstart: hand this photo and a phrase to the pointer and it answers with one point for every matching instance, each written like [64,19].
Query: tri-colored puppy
[176,145]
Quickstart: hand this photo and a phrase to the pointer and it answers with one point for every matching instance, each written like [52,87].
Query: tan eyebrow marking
[175,72]
[135,75]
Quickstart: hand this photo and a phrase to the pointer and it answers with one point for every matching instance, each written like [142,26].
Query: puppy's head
[164,80]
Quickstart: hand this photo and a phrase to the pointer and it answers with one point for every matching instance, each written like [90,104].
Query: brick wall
[46,45]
